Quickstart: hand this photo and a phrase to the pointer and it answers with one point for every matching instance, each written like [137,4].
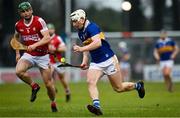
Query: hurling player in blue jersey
[103,60]
[165,52]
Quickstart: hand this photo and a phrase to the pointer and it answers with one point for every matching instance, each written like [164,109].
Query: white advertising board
[153,73]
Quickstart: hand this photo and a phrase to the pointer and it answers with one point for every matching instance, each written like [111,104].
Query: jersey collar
[29,22]
[86,24]
[165,40]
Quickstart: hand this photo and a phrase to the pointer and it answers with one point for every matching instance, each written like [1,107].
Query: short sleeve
[43,26]
[93,29]
[61,41]
[173,43]
[16,28]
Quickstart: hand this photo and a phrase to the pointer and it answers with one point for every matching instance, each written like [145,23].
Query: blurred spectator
[124,61]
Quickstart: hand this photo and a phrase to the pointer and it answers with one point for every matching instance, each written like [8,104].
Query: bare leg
[169,84]
[168,79]
[21,68]
[64,82]
[92,79]
[49,83]
[53,74]
[118,85]
[46,75]
[65,86]
[116,80]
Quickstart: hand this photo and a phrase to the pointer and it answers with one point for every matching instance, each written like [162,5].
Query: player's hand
[172,57]
[17,57]
[84,66]
[157,61]
[30,48]
[77,48]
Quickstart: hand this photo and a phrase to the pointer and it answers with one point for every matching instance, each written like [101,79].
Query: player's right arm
[84,63]
[62,46]
[45,40]
[156,55]
[45,35]
[16,36]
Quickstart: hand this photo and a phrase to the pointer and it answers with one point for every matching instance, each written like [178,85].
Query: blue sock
[96,103]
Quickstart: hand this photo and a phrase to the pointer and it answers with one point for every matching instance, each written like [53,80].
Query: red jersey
[31,33]
[56,41]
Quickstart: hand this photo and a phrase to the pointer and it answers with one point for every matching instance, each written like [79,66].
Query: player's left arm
[61,47]
[175,52]
[84,64]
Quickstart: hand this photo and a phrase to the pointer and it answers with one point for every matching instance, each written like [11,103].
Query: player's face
[26,14]
[78,24]
[163,35]
[51,32]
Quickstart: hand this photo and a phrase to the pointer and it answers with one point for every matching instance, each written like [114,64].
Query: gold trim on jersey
[165,49]
[89,40]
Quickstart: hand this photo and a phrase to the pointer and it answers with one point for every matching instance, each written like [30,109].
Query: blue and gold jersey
[100,54]
[165,48]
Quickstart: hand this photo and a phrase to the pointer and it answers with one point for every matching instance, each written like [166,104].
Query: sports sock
[67,91]
[137,86]
[53,103]
[96,103]
[34,85]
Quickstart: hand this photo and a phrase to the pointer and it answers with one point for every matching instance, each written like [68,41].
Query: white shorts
[168,63]
[60,70]
[109,66]
[39,61]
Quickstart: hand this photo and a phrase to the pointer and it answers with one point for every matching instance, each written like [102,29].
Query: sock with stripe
[96,103]
[137,86]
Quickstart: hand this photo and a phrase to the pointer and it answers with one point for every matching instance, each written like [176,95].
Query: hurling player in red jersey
[33,32]
[56,47]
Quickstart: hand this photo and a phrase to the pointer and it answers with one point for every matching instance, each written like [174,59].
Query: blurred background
[136,22]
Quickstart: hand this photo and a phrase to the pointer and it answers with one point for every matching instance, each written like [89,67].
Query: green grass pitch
[14,101]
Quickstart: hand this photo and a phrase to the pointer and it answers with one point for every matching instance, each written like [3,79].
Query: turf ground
[14,102]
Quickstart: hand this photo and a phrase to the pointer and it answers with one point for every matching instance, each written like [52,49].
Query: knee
[91,82]
[19,73]
[48,84]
